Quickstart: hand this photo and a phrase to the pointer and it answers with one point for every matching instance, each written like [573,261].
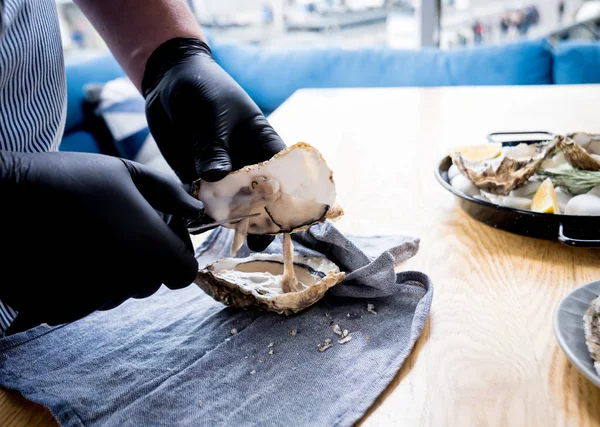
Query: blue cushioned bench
[270,76]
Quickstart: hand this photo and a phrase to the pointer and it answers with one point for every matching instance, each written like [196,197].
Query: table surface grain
[488,355]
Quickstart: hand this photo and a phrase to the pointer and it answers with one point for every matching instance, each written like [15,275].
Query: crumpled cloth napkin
[179,358]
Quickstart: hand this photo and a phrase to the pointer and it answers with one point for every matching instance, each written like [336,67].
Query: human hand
[84,232]
[204,123]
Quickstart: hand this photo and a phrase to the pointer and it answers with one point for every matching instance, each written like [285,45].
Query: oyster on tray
[290,192]
[511,170]
[557,176]
[577,156]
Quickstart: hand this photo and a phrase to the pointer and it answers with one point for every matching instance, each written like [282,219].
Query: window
[409,24]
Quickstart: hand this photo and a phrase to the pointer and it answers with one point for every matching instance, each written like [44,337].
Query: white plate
[568,327]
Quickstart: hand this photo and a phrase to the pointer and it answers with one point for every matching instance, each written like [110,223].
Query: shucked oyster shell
[589,141]
[291,191]
[591,327]
[576,155]
[256,282]
[502,176]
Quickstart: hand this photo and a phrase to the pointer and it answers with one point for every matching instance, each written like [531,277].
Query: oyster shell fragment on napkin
[591,327]
[290,192]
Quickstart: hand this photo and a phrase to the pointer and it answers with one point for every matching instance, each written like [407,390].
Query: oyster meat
[591,327]
[258,281]
[290,192]
[502,175]
[576,155]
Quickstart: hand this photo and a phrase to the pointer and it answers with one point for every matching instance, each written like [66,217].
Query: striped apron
[32,86]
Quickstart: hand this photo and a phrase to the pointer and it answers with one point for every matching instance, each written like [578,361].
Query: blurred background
[273,48]
[409,24]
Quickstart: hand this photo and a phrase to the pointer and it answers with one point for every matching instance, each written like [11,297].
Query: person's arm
[133,29]
[111,229]
[203,121]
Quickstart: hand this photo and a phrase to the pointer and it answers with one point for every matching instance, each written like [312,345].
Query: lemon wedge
[545,200]
[478,152]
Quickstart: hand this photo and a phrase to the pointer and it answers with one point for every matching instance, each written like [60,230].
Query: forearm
[132,29]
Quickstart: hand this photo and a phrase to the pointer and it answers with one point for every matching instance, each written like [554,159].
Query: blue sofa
[271,75]
[79,134]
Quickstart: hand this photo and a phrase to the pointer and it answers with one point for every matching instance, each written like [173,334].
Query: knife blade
[206,227]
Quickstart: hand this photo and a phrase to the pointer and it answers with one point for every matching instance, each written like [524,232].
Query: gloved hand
[204,123]
[83,232]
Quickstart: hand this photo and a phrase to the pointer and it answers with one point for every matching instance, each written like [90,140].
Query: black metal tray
[572,230]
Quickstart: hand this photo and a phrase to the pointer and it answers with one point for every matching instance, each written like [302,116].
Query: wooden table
[488,355]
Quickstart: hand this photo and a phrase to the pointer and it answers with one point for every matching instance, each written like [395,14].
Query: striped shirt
[33,90]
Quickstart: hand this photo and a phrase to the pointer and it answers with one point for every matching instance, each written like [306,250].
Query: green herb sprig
[572,180]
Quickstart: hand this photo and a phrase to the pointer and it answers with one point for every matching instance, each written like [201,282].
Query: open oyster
[257,282]
[503,174]
[290,192]
[576,154]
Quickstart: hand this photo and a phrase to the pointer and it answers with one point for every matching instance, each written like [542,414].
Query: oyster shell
[502,175]
[257,282]
[589,141]
[290,192]
[576,155]
[591,327]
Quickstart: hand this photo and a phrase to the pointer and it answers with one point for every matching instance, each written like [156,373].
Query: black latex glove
[83,232]
[204,123]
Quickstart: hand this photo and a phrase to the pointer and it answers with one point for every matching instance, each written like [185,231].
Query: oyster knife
[205,227]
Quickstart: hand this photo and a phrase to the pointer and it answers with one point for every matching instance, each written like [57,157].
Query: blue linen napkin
[179,358]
